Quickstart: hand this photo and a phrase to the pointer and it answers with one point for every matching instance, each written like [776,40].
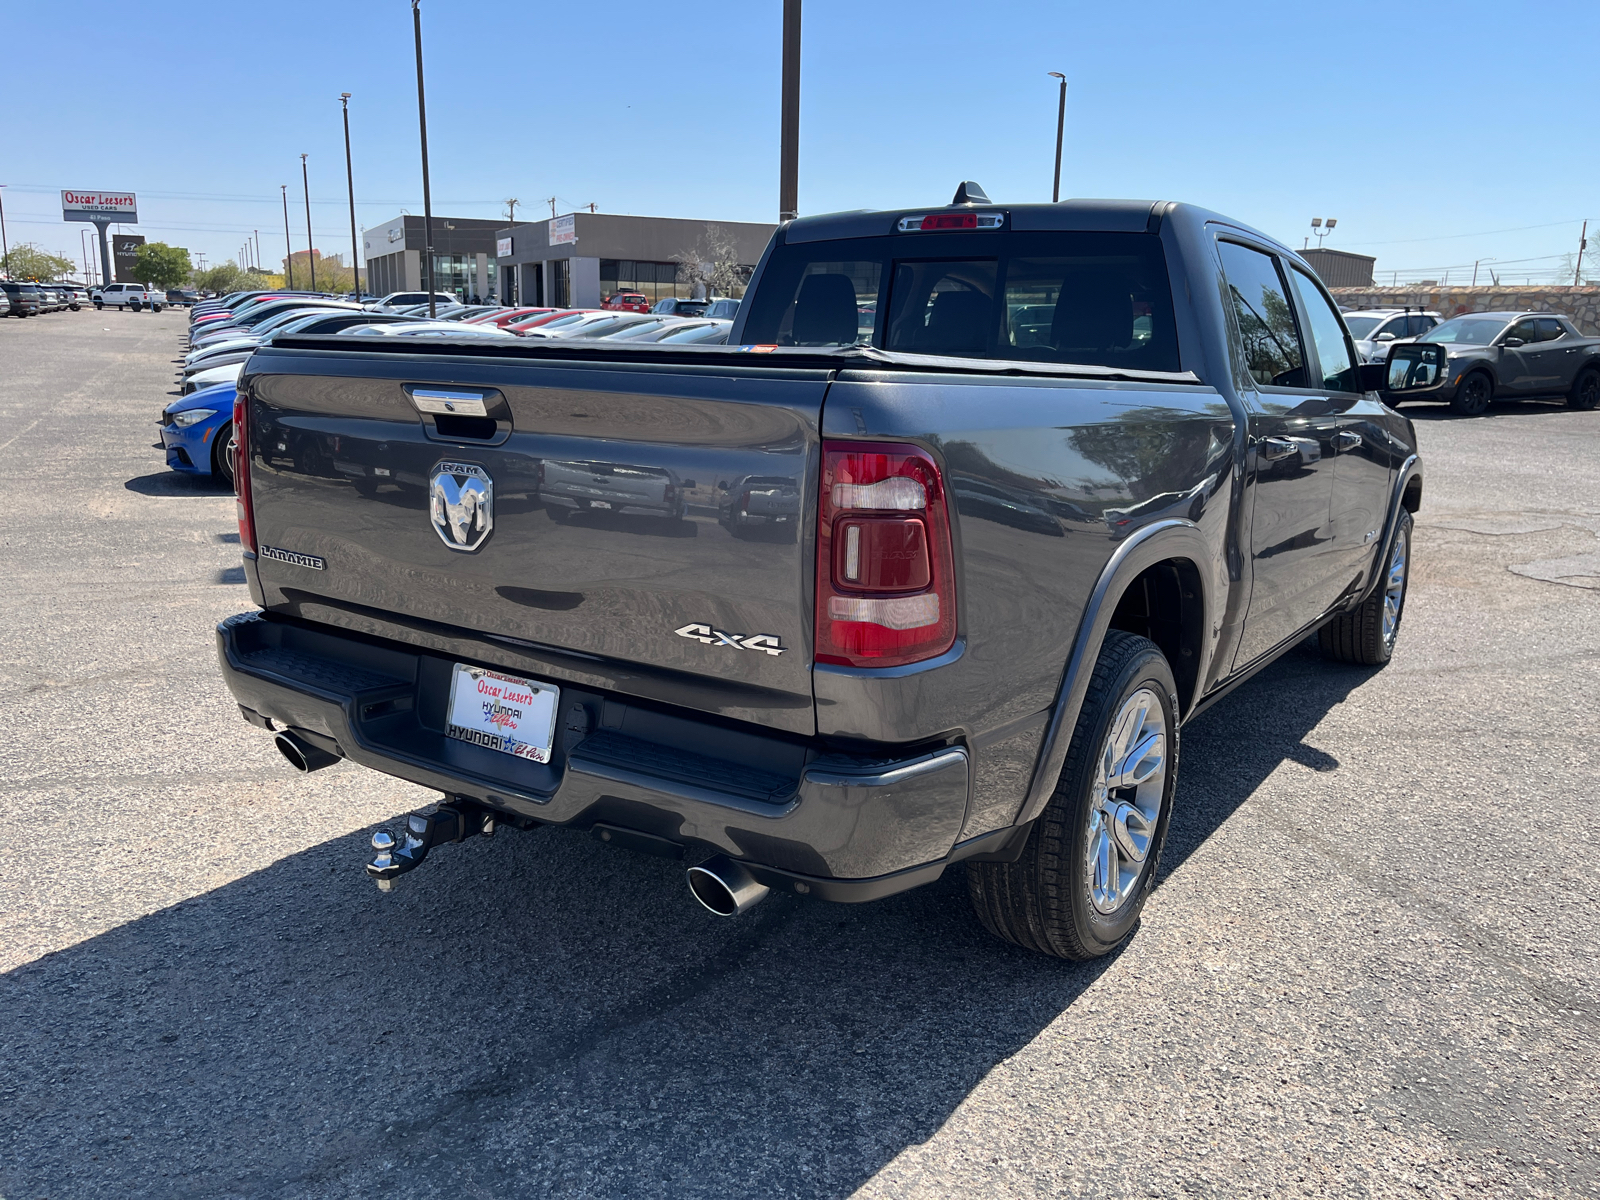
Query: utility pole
[552,208]
[257,240]
[1583,242]
[1061,128]
[427,197]
[311,253]
[511,210]
[5,251]
[288,252]
[789,126]
[350,179]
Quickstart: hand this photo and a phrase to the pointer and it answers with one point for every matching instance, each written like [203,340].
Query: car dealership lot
[1371,966]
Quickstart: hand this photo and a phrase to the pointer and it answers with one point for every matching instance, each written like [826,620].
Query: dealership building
[463,255]
[579,259]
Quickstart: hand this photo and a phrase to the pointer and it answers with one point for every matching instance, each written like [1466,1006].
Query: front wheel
[155,308]
[221,461]
[98,306]
[1367,633]
[1585,393]
[1090,861]
[1474,394]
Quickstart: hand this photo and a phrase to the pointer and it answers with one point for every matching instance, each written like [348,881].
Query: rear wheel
[1474,394]
[1367,633]
[1081,882]
[1585,393]
[98,306]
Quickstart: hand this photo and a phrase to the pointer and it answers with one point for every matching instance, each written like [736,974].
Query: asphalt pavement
[1370,968]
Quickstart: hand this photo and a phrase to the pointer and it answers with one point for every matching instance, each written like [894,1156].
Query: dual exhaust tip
[724,886]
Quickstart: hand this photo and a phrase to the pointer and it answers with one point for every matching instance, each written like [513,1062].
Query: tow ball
[454,822]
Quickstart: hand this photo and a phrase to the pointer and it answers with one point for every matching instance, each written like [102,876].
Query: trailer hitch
[450,822]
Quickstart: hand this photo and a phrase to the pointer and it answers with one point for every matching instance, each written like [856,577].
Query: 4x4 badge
[769,643]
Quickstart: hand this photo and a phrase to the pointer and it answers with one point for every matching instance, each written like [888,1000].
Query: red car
[511,315]
[627,302]
[545,317]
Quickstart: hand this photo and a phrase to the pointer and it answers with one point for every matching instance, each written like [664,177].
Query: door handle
[1346,439]
[1275,448]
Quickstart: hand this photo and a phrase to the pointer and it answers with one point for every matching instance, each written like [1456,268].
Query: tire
[1585,393]
[98,306]
[219,453]
[134,305]
[1053,899]
[1473,396]
[155,308]
[1367,633]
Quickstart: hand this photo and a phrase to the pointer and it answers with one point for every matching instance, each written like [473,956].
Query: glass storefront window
[657,280]
[458,273]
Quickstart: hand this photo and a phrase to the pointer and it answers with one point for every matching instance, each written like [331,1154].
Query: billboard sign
[502,247]
[124,256]
[100,207]
[564,230]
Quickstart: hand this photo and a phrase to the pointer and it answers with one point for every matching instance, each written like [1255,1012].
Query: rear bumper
[800,817]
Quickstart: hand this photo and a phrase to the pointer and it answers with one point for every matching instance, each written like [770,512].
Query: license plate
[503,712]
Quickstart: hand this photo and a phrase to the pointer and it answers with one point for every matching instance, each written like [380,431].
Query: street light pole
[789,126]
[288,250]
[1061,129]
[311,253]
[350,178]
[427,196]
[5,250]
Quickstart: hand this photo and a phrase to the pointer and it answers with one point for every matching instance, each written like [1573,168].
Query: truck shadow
[542,1014]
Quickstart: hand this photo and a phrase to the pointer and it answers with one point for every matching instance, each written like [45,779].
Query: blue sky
[1435,134]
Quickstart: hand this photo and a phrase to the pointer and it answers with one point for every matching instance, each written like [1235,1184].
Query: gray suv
[26,298]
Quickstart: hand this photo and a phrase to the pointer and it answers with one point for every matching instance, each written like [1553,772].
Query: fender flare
[1409,470]
[1174,538]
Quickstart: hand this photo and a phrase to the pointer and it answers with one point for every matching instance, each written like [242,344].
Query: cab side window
[1421,325]
[1272,349]
[1334,355]
[1549,329]
[1526,329]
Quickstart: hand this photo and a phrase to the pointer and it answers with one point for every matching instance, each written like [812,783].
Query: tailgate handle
[438,400]
[461,414]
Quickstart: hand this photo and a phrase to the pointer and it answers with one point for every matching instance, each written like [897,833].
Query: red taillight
[885,571]
[241,472]
[951,221]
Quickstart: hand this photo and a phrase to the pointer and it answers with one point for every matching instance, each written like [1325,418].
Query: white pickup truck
[128,295]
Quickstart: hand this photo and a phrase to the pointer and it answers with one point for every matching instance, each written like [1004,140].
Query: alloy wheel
[1394,588]
[1129,789]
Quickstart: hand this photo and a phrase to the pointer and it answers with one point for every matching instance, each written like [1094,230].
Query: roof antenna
[970,193]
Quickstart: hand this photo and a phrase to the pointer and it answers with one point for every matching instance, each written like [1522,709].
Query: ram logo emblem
[767,643]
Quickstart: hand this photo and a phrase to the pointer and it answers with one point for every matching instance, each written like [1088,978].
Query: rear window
[1095,299]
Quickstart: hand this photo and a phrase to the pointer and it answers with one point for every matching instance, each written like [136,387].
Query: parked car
[907,686]
[1517,356]
[26,299]
[707,333]
[399,300]
[681,308]
[77,297]
[1374,328]
[196,428]
[510,316]
[183,297]
[593,325]
[5,304]
[425,328]
[556,318]
[128,295]
[627,302]
[211,376]
[723,308]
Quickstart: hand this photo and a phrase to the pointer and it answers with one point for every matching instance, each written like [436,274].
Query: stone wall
[1582,304]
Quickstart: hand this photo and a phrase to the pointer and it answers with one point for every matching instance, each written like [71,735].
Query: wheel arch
[1154,586]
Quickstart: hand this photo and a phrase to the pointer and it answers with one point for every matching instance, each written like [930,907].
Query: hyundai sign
[100,207]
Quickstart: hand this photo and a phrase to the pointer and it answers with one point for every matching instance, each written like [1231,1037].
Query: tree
[158,265]
[712,267]
[1569,266]
[27,261]
[332,274]
[230,277]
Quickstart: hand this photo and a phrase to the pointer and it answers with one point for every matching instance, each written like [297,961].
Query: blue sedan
[195,431]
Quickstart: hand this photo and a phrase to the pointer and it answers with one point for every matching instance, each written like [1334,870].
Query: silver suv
[1375,328]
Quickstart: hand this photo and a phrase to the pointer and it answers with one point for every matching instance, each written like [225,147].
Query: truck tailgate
[579,513]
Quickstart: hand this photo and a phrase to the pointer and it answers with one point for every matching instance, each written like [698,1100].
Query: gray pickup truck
[1058,477]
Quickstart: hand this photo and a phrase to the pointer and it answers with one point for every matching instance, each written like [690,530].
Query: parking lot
[1370,968]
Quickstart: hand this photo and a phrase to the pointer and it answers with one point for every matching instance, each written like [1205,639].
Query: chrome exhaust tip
[725,887]
[301,754]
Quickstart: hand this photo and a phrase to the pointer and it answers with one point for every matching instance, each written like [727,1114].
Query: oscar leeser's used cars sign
[122,207]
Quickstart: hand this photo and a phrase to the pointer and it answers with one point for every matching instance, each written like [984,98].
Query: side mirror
[1513,343]
[1385,336]
[1413,369]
